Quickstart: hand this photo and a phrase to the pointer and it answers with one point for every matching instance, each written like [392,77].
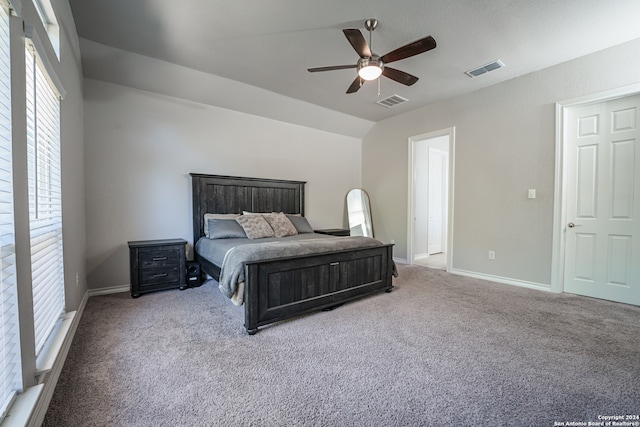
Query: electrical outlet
[393,241]
[492,255]
[77,279]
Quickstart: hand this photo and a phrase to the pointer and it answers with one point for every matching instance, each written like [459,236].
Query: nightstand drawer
[158,276]
[158,258]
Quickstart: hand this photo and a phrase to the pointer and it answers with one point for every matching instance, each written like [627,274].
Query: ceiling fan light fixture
[370,72]
[370,68]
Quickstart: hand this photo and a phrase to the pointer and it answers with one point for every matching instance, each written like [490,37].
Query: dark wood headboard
[233,194]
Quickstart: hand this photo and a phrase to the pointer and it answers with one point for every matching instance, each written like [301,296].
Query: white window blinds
[45,199]
[10,375]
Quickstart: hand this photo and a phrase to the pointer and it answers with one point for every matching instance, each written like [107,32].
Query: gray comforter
[231,281]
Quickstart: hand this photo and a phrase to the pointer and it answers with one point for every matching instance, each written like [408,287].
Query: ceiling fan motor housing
[373,61]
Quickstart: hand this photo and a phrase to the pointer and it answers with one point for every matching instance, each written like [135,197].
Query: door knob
[571,225]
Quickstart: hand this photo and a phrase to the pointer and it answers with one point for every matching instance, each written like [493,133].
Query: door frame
[560,188]
[450,132]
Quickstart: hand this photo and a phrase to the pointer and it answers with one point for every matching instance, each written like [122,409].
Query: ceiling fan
[370,66]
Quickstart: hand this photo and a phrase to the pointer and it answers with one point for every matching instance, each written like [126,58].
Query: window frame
[10,363]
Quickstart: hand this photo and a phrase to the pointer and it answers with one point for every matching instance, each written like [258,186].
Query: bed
[282,287]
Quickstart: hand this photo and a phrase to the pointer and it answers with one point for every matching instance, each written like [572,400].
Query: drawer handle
[160,258]
[155,276]
[335,263]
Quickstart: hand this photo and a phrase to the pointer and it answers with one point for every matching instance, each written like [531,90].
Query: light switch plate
[532,193]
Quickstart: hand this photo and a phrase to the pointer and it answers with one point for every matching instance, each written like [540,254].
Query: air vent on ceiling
[485,68]
[392,101]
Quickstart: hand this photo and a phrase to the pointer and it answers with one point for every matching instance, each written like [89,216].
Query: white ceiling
[271,43]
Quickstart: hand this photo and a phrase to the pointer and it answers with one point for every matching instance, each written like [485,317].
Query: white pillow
[209,216]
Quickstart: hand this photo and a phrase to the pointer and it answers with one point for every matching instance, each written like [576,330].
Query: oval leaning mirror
[359,213]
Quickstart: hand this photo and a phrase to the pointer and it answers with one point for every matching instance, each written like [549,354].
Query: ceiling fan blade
[412,49]
[331,68]
[399,76]
[356,85]
[358,42]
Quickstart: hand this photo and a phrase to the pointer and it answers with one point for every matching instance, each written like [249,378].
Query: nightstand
[334,231]
[157,265]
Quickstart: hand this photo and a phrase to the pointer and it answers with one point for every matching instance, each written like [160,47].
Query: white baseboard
[400,260]
[504,280]
[111,290]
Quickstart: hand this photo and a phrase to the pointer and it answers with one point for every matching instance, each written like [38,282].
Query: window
[48,18]
[45,198]
[10,369]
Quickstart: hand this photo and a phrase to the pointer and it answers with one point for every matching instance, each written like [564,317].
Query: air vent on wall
[392,101]
[485,68]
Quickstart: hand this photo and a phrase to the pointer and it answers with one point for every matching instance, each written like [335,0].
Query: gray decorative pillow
[300,223]
[281,225]
[255,226]
[209,216]
[225,229]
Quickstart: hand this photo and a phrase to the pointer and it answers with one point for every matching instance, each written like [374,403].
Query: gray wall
[141,146]
[73,173]
[108,64]
[505,144]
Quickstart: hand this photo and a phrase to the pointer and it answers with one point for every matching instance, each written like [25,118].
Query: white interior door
[436,205]
[602,246]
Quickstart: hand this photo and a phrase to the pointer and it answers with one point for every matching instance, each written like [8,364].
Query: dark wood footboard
[287,287]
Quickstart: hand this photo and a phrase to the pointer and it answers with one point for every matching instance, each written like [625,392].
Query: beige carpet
[440,350]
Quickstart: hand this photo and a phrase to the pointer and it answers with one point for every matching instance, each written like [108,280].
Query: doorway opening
[430,196]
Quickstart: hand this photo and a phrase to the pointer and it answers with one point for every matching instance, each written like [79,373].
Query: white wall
[505,142]
[141,146]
